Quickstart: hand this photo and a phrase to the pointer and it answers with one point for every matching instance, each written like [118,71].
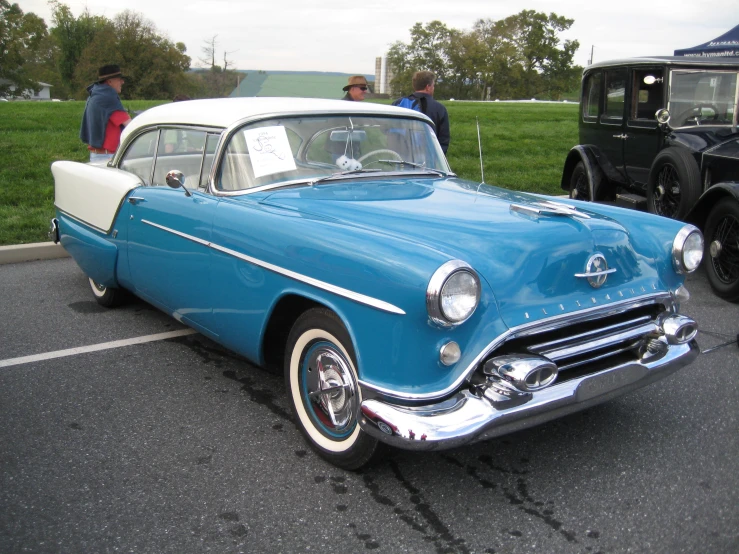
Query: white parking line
[96,347]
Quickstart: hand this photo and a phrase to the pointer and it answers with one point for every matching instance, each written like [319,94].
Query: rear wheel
[580,184]
[722,249]
[322,388]
[674,183]
[106,296]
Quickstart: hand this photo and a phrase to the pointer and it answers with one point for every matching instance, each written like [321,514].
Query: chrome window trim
[340,291]
[543,325]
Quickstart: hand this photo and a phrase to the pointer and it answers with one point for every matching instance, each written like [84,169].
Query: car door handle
[622,137]
[136,199]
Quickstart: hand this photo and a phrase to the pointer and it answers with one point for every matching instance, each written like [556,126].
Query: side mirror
[662,116]
[176,179]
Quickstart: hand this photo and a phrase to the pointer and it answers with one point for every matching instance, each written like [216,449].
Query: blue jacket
[438,114]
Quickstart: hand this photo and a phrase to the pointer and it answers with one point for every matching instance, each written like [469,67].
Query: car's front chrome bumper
[470,417]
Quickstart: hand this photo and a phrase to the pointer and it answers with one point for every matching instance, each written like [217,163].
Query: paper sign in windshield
[269,150]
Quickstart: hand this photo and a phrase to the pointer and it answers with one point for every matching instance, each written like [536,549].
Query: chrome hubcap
[330,387]
[715,249]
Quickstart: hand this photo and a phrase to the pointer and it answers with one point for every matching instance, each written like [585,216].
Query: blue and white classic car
[405,305]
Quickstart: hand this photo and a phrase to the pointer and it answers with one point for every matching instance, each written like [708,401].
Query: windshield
[304,149]
[702,98]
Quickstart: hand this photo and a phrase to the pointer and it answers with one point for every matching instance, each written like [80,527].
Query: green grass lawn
[524,148]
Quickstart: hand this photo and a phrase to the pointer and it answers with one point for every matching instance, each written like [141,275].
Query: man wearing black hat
[104,117]
[356,89]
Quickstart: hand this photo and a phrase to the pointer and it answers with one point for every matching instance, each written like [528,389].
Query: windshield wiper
[418,166]
[341,174]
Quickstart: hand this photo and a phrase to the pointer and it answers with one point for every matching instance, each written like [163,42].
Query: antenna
[479,146]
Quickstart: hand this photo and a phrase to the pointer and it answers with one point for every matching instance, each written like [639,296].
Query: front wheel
[722,249]
[321,382]
[106,296]
[674,183]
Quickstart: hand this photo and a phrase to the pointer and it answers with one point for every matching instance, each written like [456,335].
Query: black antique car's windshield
[304,149]
[702,98]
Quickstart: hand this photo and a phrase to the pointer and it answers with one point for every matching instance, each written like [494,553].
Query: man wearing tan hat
[104,117]
[356,89]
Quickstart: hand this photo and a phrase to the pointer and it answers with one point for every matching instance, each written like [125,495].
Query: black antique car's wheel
[579,184]
[106,296]
[674,183]
[722,249]
[322,387]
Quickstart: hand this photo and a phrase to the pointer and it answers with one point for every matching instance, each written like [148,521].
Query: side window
[181,150]
[591,96]
[613,111]
[647,96]
[139,157]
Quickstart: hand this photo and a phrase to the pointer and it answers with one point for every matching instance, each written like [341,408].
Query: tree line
[68,54]
[521,56]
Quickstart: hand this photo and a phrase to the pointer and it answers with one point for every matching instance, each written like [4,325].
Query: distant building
[383,76]
[44,92]
[305,84]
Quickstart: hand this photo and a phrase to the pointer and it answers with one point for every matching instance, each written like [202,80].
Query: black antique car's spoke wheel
[722,249]
[323,389]
[579,184]
[667,192]
[674,183]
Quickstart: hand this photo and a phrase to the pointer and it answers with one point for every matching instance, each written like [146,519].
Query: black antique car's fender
[717,213]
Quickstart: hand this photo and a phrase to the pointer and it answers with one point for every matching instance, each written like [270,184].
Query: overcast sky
[346,36]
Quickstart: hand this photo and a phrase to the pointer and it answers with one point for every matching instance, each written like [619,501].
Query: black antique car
[661,134]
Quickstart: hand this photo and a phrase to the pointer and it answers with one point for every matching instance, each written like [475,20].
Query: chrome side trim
[90,225]
[530,329]
[351,295]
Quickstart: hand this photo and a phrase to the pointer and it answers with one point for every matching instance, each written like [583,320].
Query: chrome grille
[583,347]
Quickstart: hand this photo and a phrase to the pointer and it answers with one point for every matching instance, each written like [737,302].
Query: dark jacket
[101,104]
[437,113]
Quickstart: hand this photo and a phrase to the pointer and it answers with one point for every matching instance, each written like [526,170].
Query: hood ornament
[547,207]
[596,271]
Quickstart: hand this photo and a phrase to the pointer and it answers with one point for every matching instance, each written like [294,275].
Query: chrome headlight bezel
[688,241]
[435,289]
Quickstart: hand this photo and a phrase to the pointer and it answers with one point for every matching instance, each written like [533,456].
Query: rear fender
[91,194]
[94,253]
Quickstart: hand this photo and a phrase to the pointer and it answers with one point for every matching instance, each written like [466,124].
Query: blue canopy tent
[727,45]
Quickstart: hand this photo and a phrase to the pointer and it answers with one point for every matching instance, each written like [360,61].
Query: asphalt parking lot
[176,445]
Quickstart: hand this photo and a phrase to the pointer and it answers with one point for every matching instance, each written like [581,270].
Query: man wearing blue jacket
[423,86]
[104,117]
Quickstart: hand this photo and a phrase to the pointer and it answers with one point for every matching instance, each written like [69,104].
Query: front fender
[698,215]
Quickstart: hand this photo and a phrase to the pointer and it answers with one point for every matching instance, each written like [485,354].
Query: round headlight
[453,293]
[687,249]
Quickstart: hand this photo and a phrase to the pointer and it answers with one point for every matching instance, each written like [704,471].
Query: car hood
[529,259]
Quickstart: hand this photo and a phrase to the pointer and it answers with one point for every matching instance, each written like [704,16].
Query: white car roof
[222,112]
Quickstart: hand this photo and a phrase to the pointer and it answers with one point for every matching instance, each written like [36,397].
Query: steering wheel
[380,151]
[697,112]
